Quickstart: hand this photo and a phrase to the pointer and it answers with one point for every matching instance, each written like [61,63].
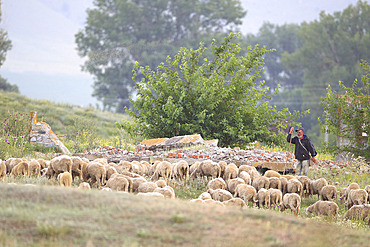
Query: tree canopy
[120,32]
[215,96]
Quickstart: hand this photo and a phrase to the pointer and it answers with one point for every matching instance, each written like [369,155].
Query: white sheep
[305,181]
[284,185]
[61,164]
[276,197]
[167,192]
[235,202]
[294,186]
[272,173]
[84,186]
[205,196]
[291,201]
[65,179]
[232,183]
[275,183]
[359,212]
[245,176]
[147,187]
[231,172]
[261,182]
[209,169]
[317,185]
[34,168]
[356,197]
[328,208]
[161,183]
[216,183]
[164,170]
[118,183]
[263,197]
[367,188]
[181,171]
[328,193]
[220,195]
[247,193]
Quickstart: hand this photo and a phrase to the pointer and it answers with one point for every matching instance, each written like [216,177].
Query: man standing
[303,149]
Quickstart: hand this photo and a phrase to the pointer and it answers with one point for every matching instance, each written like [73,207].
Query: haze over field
[44,62]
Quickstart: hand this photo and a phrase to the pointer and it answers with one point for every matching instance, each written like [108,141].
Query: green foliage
[215,96]
[6,86]
[120,32]
[348,115]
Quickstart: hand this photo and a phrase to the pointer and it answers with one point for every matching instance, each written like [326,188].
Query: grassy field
[56,216]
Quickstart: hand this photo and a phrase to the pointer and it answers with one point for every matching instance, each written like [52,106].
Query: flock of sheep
[227,183]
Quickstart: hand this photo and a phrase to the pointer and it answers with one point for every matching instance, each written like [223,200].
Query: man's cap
[301,128]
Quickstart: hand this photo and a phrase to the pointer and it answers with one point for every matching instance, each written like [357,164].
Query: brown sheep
[220,195]
[263,197]
[317,185]
[65,179]
[235,202]
[294,186]
[164,170]
[261,182]
[272,173]
[275,183]
[118,183]
[356,197]
[305,181]
[245,176]
[231,172]
[328,193]
[359,212]
[147,187]
[276,197]
[35,168]
[247,193]
[291,201]
[367,188]
[216,183]
[22,168]
[181,171]
[96,172]
[328,208]
[284,185]
[167,192]
[232,183]
[2,170]
[61,164]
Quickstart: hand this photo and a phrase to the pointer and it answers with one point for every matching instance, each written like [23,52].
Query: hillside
[56,216]
[60,116]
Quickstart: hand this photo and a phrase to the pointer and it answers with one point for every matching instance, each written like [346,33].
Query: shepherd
[302,151]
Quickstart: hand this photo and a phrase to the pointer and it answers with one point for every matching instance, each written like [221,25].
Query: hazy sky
[44,62]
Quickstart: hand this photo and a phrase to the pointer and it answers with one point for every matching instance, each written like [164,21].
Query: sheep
[43,163]
[359,212]
[352,186]
[34,168]
[153,167]
[128,178]
[136,183]
[305,181]
[7,164]
[161,183]
[356,197]
[263,197]
[276,197]
[102,161]
[76,167]
[342,197]
[163,169]
[106,189]
[118,183]
[197,200]
[231,172]
[247,193]
[316,186]
[147,187]
[272,173]
[151,194]
[146,167]
[247,168]
[294,186]
[167,192]
[235,202]
[61,164]
[284,185]
[328,193]
[2,170]
[213,202]
[223,166]
[22,168]
[328,208]
[291,201]
[11,163]
[137,167]
[216,183]
[209,169]
[97,172]
[84,186]
[205,196]
[287,176]
[367,188]
[194,170]
[231,185]
[110,171]
[261,182]
[181,171]
[220,194]
[245,176]
[125,165]
[275,183]
[65,179]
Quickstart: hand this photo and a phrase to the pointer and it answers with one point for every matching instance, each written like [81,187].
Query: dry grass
[55,216]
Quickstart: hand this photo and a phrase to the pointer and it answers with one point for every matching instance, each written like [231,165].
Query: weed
[52,230]
[177,219]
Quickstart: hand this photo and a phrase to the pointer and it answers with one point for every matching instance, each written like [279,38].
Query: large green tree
[120,32]
[217,96]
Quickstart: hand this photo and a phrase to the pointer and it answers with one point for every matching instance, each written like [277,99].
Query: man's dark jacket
[299,152]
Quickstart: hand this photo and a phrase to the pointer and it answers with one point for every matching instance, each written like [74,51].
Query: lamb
[2,170]
[276,197]
[231,172]
[305,181]
[356,197]
[205,196]
[367,188]
[147,187]
[328,208]
[96,172]
[220,195]
[84,186]
[65,179]
[167,192]
[284,185]
[161,183]
[245,176]
[328,193]
[291,201]
[272,173]
[216,183]
[181,171]
[118,183]
[361,212]
[275,183]
[163,169]
[247,193]
[263,197]
[235,202]
[317,185]
[34,168]
[22,168]
[61,164]
[261,182]
[231,185]
[294,186]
